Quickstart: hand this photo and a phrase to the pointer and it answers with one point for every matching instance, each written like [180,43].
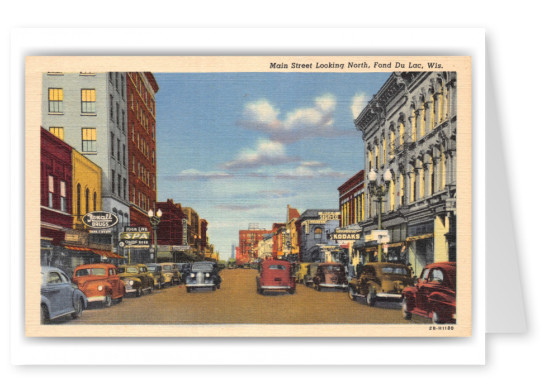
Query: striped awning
[106,254]
[419,237]
[75,248]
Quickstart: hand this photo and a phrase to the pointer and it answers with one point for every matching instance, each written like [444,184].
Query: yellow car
[301,271]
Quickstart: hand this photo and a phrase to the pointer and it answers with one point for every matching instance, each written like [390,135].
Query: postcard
[250,196]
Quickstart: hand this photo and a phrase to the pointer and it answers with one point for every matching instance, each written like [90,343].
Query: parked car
[433,295]
[274,275]
[156,271]
[186,270]
[58,296]
[380,280]
[171,273]
[311,271]
[136,278]
[330,275]
[99,282]
[203,275]
[301,270]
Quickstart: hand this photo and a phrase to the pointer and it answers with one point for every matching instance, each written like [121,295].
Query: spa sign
[100,219]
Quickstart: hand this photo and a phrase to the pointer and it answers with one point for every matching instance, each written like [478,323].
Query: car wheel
[120,299]
[44,314]
[405,313]
[371,297]
[108,301]
[188,290]
[218,286]
[138,292]
[213,288]
[79,305]
[291,291]
[436,318]
[351,293]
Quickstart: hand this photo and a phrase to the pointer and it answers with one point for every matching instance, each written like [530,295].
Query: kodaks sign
[100,220]
[346,235]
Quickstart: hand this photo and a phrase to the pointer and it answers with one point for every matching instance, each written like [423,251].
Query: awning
[75,248]
[419,237]
[395,244]
[106,254]
[370,249]
[345,246]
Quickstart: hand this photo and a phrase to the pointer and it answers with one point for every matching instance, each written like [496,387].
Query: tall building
[248,245]
[88,111]
[316,244]
[142,151]
[409,129]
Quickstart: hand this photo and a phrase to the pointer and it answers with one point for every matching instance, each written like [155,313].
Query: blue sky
[240,147]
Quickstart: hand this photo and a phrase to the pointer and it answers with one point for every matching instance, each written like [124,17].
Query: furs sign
[100,220]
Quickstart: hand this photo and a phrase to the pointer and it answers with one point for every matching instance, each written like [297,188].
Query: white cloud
[359,101]
[266,153]
[309,170]
[314,121]
[192,173]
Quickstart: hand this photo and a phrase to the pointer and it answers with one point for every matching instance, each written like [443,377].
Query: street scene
[248,198]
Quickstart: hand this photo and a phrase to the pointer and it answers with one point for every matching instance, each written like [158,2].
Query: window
[123,127]
[153,156]
[119,185]
[133,164]
[112,144]
[124,188]
[118,116]
[58,132]
[63,199]
[317,233]
[118,150]
[113,181]
[436,276]
[88,100]
[55,100]
[111,106]
[95,201]
[124,155]
[50,191]
[89,140]
[78,200]
[122,84]
[87,200]
[116,83]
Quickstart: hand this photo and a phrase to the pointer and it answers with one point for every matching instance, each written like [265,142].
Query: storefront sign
[134,237]
[180,248]
[184,232]
[136,229]
[343,234]
[100,220]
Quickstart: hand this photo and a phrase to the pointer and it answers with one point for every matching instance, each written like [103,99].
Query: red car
[433,295]
[275,275]
[99,282]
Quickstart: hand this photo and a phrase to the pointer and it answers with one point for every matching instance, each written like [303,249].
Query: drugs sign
[100,220]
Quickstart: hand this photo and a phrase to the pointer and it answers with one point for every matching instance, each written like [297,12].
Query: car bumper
[396,296]
[96,298]
[324,285]
[275,287]
[200,285]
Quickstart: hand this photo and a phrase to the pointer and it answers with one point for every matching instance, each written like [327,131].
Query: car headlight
[131,282]
[207,275]
[100,288]
[192,275]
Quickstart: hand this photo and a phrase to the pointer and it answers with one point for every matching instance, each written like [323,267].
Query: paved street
[238,302]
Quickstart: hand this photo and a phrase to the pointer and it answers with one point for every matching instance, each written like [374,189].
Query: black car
[203,275]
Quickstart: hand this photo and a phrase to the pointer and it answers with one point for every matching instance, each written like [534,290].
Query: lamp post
[379,191]
[155,220]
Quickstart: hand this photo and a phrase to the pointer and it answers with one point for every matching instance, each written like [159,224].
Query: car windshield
[395,270]
[202,267]
[152,268]
[130,269]
[167,268]
[277,267]
[91,272]
[332,269]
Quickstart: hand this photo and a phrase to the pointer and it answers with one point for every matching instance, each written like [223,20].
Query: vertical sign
[184,232]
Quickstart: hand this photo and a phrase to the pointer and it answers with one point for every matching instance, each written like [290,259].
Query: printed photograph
[311,191]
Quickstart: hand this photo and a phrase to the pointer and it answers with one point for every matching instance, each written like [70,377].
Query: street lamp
[155,220]
[379,192]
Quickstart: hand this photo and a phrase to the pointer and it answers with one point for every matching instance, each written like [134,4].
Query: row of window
[87,100]
[142,91]
[352,210]
[117,115]
[57,200]
[143,144]
[117,155]
[118,186]
[115,78]
[86,201]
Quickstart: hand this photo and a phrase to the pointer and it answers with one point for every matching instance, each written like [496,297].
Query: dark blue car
[59,296]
